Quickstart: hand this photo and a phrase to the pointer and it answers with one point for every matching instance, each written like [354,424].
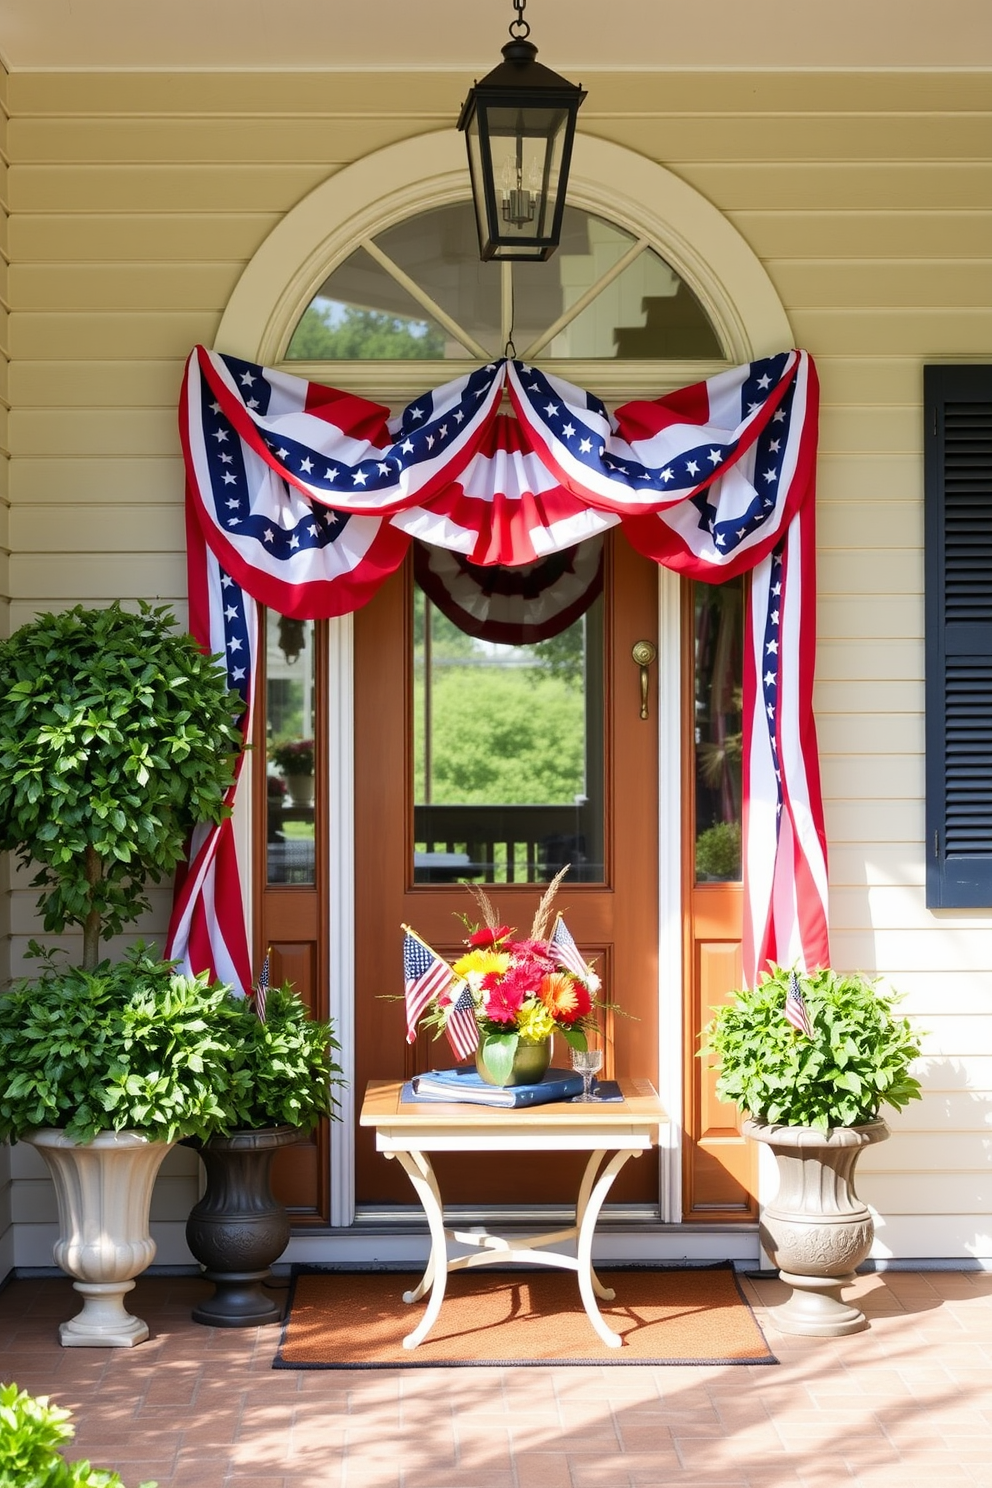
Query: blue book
[468,1085]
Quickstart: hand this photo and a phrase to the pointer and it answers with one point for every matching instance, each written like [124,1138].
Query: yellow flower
[483,962]
[534,1021]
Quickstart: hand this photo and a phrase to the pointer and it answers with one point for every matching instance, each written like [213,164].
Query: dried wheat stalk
[539,929]
[486,907]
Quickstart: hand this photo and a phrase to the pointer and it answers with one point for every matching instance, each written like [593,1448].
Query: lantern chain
[519,28]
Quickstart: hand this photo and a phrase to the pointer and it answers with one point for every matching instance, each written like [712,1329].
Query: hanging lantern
[519,125]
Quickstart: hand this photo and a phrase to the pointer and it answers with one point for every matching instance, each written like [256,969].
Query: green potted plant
[811,1058]
[117,736]
[281,1081]
[32,1433]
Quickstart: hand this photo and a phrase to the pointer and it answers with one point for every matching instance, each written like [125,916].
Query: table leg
[597,1181]
[418,1169]
[606,1293]
[592,1195]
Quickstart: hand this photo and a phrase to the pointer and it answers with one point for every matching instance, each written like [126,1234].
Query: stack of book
[468,1085]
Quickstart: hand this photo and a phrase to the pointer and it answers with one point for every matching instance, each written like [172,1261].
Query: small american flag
[262,988]
[795,1007]
[461,1027]
[424,975]
[566,951]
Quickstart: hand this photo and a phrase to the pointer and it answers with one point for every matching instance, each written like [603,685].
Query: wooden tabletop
[384,1107]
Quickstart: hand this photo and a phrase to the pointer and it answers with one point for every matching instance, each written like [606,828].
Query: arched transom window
[417,291]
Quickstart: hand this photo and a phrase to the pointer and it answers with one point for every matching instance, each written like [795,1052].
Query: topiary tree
[117,736]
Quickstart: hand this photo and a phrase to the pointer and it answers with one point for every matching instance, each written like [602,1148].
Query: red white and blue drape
[305,499]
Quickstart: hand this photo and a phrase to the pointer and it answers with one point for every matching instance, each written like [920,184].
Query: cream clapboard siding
[135,203]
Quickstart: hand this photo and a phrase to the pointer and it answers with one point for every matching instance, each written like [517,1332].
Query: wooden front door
[614,921]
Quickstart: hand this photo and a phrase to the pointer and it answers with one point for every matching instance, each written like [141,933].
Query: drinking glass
[587,1062]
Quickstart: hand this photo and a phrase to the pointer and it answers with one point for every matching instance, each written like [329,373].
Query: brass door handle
[644,653]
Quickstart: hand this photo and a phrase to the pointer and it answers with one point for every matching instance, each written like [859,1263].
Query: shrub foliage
[32,1430]
[136,1046]
[131,1045]
[857,1059]
[283,1070]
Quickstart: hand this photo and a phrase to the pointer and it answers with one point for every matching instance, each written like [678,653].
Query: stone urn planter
[104,1190]
[238,1229]
[816,1229]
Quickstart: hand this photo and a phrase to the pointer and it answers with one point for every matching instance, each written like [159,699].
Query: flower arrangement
[293,756]
[503,992]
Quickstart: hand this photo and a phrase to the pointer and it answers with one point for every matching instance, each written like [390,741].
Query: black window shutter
[958,578]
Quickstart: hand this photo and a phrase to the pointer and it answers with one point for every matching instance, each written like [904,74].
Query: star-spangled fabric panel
[306,498]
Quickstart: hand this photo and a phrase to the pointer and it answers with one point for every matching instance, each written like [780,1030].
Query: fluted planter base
[816,1229]
[816,1308]
[104,1191]
[238,1229]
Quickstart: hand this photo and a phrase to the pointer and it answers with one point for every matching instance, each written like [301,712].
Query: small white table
[611,1132]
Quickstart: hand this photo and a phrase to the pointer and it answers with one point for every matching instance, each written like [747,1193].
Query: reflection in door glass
[719,630]
[508,749]
[289,732]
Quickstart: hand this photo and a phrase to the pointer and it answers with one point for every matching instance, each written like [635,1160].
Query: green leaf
[497,1051]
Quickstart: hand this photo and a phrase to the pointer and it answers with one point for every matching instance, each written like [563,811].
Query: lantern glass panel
[526,147]
[485,208]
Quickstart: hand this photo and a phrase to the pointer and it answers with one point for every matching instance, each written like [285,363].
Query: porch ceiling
[465,35]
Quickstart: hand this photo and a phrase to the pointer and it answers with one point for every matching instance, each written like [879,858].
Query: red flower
[486,937]
[504,1000]
[524,977]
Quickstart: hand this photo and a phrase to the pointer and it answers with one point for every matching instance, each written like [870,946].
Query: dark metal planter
[238,1229]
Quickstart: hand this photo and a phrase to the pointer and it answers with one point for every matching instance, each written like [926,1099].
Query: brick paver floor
[907,1403]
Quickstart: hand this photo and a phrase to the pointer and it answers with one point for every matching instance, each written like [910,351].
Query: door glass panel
[508,746]
[289,732]
[719,632]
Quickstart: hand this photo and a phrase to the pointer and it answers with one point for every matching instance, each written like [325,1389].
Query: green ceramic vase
[530,1064]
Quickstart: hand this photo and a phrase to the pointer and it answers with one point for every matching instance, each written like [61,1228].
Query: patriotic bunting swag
[305,499]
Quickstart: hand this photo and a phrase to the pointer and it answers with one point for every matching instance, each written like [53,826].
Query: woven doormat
[357,1320]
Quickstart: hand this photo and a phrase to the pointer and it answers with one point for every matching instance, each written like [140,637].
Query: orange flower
[565,998]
